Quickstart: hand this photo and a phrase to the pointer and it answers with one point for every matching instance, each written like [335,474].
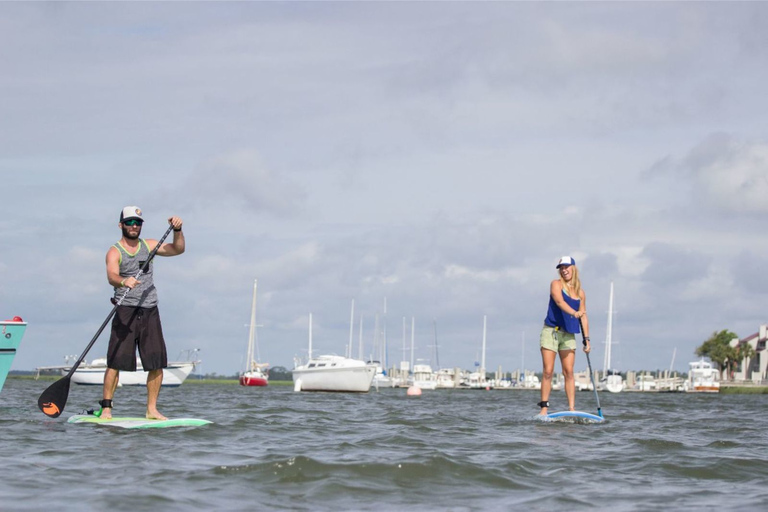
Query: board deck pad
[137,422]
[572,417]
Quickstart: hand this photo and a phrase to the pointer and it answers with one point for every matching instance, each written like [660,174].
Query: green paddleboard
[137,422]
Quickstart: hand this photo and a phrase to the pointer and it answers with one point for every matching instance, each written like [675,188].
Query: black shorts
[134,327]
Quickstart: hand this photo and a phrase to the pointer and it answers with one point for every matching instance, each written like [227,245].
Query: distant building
[753,369]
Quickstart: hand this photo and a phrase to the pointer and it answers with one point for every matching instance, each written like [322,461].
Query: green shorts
[557,340]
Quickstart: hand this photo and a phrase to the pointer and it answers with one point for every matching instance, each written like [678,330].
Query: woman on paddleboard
[567,308]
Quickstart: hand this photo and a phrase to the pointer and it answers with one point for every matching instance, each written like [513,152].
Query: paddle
[53,399]
[591,375]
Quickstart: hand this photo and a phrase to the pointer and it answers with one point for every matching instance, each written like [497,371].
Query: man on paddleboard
[137,321]
[567,307]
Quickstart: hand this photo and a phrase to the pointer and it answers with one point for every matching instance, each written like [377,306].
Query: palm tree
[745,353]
[718,349]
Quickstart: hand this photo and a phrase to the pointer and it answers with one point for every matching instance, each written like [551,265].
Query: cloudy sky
[439,156]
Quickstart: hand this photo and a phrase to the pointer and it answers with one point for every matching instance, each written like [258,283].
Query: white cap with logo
[131,212]
[565,261]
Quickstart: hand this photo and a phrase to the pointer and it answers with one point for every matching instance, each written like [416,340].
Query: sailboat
[332,372]
[255,373]
[612,378]
[476,379]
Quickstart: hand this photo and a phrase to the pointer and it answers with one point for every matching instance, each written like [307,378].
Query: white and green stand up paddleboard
[137,422]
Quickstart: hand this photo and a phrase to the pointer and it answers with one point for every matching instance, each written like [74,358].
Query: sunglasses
[133,222]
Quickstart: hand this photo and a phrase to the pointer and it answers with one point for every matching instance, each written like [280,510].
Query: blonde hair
[574,288]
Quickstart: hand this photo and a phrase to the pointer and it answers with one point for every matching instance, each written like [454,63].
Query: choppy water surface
[457,450]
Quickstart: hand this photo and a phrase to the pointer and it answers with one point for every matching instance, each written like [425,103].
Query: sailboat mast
[608,334]
[413,327]
[384,359]
[672,363]
[252,331]
[482,357]
[309,352]
[360,340]
[437,353]
[405,348]
[376,351]
[351,328]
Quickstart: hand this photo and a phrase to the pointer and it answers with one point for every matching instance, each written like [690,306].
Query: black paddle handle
[119,301]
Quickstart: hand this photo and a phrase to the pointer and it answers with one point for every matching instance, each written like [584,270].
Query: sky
[439,157]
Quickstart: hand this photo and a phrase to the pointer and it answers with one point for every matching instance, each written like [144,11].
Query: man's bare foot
[155,415]
[106,414]
[543,411]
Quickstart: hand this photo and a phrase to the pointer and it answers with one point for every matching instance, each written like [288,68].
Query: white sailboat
[422,376]
[255,373]
[381,379]
[332,372]
[477,380]
[612,379]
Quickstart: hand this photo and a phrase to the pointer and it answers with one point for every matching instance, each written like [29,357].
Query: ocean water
[445,450]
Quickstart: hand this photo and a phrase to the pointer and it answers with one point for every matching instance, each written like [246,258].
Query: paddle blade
[53,399]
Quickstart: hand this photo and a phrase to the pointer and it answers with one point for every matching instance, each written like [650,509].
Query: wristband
[177,230]
[586,338]
[122,283]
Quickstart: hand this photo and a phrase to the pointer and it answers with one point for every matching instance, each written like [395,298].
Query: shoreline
[725,388]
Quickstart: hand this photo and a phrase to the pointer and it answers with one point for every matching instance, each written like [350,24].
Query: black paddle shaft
[54,398]
[589,365]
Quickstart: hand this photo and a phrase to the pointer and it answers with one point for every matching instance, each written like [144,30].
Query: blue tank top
[556,317]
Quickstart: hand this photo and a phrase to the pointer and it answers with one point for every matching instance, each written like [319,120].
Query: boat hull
[10,339]
[704,389]
[253,380]
[614,384]
[173,376]
[356,379]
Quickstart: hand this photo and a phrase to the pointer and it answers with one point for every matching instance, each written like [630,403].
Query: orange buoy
[414,391]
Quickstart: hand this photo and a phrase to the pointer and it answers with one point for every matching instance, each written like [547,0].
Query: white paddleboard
[137,422]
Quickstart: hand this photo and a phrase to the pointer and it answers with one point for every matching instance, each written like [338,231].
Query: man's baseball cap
[565,261]
[131,212]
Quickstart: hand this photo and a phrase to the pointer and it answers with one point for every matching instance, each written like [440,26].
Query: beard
[130,236]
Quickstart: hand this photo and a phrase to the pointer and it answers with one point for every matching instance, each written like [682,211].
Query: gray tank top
[145,294]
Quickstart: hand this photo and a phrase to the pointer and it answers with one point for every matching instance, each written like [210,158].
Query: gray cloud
[441,155]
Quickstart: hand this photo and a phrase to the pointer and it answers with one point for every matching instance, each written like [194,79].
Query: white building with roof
[753,369]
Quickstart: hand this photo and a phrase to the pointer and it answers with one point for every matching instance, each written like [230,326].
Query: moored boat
[423,377]
[255,374]
[12,332]
[612,380]
[255,377]
[702,378]
[332,372]
[92,374]
[381,379]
